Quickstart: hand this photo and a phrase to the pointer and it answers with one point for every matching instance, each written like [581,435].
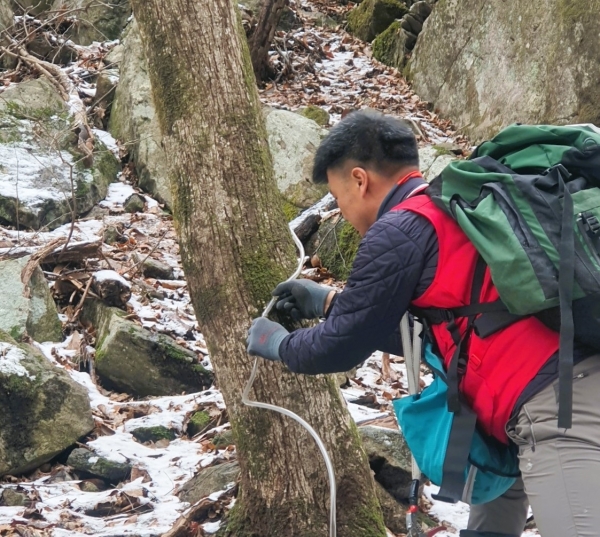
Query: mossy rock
[336,243]
[389,47]
[372,17]
[35,315]
[198,422]
[134,360]
[153,434]
[42,410]
[40,159]
[209,480]
[84,460]
[317,114]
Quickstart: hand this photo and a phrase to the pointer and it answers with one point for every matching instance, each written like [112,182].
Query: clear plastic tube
[247,401]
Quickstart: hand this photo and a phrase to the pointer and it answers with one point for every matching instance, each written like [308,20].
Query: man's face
[349,185]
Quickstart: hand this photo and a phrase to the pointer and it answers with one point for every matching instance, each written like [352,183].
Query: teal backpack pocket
[447,446]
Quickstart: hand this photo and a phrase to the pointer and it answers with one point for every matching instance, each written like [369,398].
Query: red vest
[499,366]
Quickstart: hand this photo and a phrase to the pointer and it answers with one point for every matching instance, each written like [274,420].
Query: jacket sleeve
[393,258]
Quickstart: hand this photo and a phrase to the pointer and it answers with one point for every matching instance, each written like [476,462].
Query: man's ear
[360,179]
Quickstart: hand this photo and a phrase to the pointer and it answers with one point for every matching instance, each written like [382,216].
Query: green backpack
[529,201]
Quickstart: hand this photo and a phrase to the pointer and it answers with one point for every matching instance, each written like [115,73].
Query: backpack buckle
[591,224]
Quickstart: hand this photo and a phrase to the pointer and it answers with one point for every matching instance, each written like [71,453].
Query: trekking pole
[412,359]
[247,401]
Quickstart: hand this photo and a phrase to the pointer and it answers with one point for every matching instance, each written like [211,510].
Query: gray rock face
[99,21]
[151,268]
[132,359]
[133,118]
[33,97]
[106,85]
[42,411]
[37,162]
[293,139]
[487,64]
[209,480]
[432,160]
[35,315]
[389,458]
[87,461]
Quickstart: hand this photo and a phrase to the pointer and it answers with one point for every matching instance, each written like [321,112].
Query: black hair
[372,139]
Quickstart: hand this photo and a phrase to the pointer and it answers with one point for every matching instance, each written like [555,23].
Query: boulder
[151,268]
[39,157]
[134,203]
[42,410]
[198,422]
[209,480]
[34,315]
[392,46]
[317,114]
[389,458]
[13,498]
[33,97]
[293,140]
[133,118]
[153,434]
[134,360]
[106,85]
[96,21]
[427,156]
[487,64]
[371,17]
[438,166]
[84,460]
[335,243]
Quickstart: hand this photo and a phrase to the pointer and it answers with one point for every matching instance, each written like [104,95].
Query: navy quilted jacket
[395,263]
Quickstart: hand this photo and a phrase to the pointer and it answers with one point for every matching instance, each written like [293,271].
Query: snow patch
[117,195]
[107,139]
[10,361]
[103,275]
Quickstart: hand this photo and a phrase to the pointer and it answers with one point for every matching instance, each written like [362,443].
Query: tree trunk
[260,42]
[235,248]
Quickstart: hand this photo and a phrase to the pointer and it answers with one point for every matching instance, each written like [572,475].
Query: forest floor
[319,64]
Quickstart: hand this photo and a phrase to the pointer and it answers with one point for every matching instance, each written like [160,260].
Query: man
[414,256]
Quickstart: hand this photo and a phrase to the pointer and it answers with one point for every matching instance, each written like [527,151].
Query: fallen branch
[77,251]
[308,222]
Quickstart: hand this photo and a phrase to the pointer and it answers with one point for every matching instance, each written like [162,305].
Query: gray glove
[302,299]
[264,338]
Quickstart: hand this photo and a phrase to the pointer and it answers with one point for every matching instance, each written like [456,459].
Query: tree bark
[235,248]
[260,42]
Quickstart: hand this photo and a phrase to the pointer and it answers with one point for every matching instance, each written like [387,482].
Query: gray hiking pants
[560,468]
